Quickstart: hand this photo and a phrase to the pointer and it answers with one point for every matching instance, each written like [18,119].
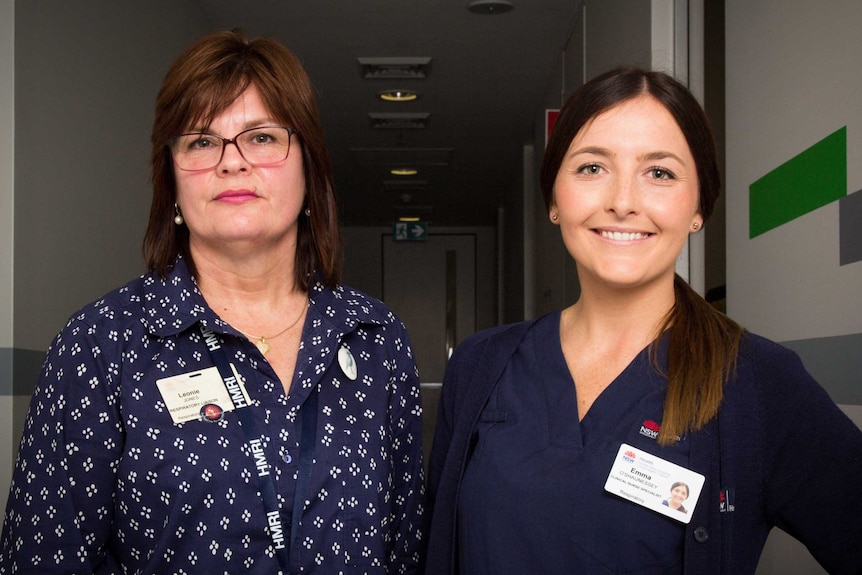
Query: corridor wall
[72,219]
[794,171]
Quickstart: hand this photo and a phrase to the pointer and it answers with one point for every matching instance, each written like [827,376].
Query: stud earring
[695,226]
[178,218]
[307,212]
[554,216]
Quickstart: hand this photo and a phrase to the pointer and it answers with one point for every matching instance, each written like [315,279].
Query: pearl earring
[695,226]
[178,218]
[554,216]
[307,212]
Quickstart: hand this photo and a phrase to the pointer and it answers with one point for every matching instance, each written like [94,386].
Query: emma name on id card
[654,483]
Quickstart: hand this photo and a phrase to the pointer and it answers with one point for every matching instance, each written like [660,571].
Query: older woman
[556,438]
[235,409]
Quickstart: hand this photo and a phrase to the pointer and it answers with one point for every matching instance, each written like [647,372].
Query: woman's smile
[623,236]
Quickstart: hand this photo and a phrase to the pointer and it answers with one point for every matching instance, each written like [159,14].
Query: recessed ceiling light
[490,6]
[403,171]
[398,95]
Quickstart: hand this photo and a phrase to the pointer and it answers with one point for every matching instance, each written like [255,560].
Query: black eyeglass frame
[225,142]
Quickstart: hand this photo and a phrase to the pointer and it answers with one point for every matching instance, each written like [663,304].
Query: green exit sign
[409,231]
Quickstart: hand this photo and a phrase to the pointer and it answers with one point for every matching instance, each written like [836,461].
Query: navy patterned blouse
[114,476]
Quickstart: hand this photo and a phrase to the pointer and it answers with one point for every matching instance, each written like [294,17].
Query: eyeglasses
[261,146]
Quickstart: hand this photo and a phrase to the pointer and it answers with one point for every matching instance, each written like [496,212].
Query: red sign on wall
[550,118]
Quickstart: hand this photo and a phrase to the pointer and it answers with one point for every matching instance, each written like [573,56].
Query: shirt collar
[173,304]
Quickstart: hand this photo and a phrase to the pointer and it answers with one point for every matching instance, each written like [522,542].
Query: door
[431,286]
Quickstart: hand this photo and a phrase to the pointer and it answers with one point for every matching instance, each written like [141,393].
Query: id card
[654,483]
[197,394]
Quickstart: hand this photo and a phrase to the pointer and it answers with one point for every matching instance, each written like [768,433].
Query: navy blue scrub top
[532,498]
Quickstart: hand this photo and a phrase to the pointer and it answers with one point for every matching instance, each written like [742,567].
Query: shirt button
[701,534]
[286,457]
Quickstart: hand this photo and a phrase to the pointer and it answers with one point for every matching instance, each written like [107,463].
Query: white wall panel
[790,83]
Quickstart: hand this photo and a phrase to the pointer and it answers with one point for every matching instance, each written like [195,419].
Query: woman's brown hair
[702,342]
[204,81]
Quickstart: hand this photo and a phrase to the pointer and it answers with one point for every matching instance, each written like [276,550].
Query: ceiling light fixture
[403,171]
[394,68]
[398,95]
[490,6]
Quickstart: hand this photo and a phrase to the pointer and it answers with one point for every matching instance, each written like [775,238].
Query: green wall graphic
[813,179]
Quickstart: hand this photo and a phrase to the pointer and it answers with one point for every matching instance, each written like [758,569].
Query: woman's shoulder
[776,374]
[117,301]
[147,299]
[761,353]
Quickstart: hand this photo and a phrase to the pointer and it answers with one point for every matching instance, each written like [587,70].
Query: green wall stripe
[835,362]
[813,179]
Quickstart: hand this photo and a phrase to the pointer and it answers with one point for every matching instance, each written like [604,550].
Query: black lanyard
[308,414]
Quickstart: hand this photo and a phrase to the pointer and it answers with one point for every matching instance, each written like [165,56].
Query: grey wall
[791,80]
[7,174]
[74,223]
[790,83]
[85,71]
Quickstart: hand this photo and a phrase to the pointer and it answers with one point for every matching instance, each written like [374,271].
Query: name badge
[654,483]
[188,395]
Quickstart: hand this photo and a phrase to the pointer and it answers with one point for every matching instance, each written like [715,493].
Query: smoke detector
[490,6]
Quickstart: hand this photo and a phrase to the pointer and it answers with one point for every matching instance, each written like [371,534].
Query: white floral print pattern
[105,482]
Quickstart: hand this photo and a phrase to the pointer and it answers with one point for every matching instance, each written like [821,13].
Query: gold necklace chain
[262,342]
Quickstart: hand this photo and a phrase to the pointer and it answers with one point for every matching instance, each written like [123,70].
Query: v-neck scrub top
[516,483]
[532,498]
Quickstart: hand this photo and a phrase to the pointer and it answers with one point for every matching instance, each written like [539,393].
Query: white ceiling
[485,91]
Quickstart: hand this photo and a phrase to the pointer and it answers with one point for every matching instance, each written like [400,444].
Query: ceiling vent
[403,156]
[490,6]
[400,186]
[396,121]
[394,68]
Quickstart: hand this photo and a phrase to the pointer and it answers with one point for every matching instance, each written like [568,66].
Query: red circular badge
[212,412]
